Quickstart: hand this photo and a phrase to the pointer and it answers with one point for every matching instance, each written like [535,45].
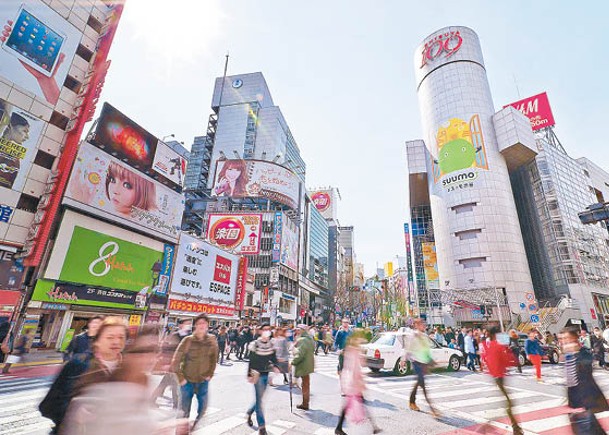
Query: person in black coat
[81,346]
[597,342]
[4,327]
[461,340]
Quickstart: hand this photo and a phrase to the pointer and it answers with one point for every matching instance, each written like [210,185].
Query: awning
[9,297]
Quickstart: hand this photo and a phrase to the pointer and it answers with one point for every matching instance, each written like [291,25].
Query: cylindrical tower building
[476,228]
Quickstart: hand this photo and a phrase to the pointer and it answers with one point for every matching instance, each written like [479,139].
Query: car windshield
[384,339]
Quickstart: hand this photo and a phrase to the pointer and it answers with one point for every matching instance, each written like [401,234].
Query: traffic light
[489,311]
[483,310]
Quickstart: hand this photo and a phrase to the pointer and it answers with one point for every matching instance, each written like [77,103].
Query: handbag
[253,376]
[356,413]
[12,359]
[585,423]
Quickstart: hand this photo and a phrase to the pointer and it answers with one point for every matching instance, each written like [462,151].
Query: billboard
[239,233]
[430,264]
[19,135]
[203,270]
[11,271]
[325,201]
[200,308]
[277,230]
[322,200]
[537,109]
[103,185]
[289,244]
[256,179]
[126,140]
[37,47]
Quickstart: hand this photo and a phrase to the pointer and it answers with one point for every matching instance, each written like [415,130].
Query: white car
[385,351]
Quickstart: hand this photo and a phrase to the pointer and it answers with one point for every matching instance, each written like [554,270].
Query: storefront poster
[37,48]
[11,271]
[256,179]
[205,271]
[8,302]
[289,244]
[239,233]
[103,185]
[20,132]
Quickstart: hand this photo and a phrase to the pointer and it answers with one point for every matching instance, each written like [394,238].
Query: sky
[342,73]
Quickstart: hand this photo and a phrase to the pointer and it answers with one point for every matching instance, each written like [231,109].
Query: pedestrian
[282,353]
[584,339]
[582,389]
[439,337]
[79,373]
[222,339]
[319,340]
[341,341]
[598,344]
[5,348]
[452,344]
[461,339]
[514,345]
[497,359]
[262,359]
[417,350]
[549,339]
[233,337]
[476,336]
[304,364]
[194,362]
[352,382]
[534,352]
[450,335]
[20,350]
[245,338]
[470,350]
[81,346]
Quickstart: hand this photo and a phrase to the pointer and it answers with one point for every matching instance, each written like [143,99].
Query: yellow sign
[135,320]
[430,263]
[388,269]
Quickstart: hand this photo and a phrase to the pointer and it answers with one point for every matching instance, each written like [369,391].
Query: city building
[198,164]
[461,172]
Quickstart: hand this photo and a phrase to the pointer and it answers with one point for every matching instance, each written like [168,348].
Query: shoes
[435,413]
[250,423]
[414,407]
[377,430]
[286,382]
[517,430]
[262,431]
[304,408]
[340,432]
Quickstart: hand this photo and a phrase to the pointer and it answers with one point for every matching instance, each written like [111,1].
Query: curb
[35,363]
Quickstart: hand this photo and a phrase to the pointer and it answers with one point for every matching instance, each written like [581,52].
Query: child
[452,344]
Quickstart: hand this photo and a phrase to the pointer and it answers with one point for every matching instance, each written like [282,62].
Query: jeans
[221,350]
[259,389]
[188,391]
[471,361]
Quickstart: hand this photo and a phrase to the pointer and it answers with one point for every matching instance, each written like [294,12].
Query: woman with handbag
[20,350]
[353,385]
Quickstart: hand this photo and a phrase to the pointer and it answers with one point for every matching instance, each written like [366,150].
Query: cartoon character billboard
[459,145]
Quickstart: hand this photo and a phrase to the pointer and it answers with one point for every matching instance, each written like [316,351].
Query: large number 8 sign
[434,49]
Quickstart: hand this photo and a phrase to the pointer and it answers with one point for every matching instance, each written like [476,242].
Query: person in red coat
[498,359]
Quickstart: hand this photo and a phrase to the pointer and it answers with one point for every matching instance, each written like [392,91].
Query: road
[469,403]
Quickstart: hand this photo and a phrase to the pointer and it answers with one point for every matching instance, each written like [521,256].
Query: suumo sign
[442,45]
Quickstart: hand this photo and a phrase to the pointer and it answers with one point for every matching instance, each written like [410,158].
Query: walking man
[470,350]
[194,362]
[417,350]
[598,346]
[514,346]
[461,339]
[81,346]
[304,364]
[222,342]
[341,341]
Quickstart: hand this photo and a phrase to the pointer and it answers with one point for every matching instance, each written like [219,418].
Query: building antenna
[223,80]
[516,84]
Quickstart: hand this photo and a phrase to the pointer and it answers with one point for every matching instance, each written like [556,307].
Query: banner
[239,233]
[277,230]
[200,308]
[165,274]
[241,281]
[256,179]
[37,47]
[105,186]
[20,132]
[537,109]
[289,244]
[202,270]
[430,265]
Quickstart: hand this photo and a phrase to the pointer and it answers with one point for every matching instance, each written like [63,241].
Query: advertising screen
[239,233]
[430,264]
[36,48]
[204,271]
[19,135]
[256,179]
[289,244]
[169,164]
[537,109]
[103,185]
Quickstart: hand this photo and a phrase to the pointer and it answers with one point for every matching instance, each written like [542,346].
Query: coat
[80,346]
[304,359]
[498,359]
[586,394]
[194,359]
[351,378]
[598,344]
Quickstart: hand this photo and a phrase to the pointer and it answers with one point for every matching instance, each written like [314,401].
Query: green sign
[101,260]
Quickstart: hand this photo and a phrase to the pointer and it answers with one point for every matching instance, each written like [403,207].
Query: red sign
[442,45]
[537,109]
[222,270]
[227,233]
[593,313]
[321,200]
[197,307]
[241,280]
[8,301]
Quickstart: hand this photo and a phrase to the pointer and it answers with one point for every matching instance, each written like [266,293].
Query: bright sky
[342,73]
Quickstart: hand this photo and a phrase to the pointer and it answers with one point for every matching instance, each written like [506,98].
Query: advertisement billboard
[203,270]
[19,135]
[36,48]
[105,186]
[169,164]
[241,283]
[430,265]
[289,244]
[322,200]
[11,271]
[277,230]
[256,179]
[537,109]
[239,233]
[200,308]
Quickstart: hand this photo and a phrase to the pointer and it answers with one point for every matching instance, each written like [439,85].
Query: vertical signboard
[411,287]
[241,280]
[165,275]
[430,265]
[277,230]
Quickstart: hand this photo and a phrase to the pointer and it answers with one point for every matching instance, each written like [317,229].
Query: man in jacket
[194,362]
[461,339]
[304,364]
[81,346]
[469,349]
[598,346]
[340,341]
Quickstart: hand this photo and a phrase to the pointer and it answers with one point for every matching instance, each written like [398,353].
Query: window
[28,203]
[468,234]
[463,208]
[95,24]
[84,52]
[469,263]
[72,84]
[58,120]
[44,159]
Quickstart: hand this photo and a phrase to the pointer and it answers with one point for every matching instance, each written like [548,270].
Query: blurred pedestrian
[282,352]
[470,350]
[598,344]
[449,336]
[262,359]
[304,364]
[534,352]
[514,345]
[353,384]
[417,350]
[584,339]
[438,336]
[549,338]
[81,346]
[194,362]
[497,359]
[5,346]
[20,350]
[582,389]
[222,339]
[341,340]
[233,347]
[245,338]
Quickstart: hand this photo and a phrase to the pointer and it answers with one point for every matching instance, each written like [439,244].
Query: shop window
[72,84]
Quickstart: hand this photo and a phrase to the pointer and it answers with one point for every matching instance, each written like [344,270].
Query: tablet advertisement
[37,47]
[256,179]
[103,185]
[19,135]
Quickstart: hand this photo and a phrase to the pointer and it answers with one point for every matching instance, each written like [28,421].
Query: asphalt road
[469,403]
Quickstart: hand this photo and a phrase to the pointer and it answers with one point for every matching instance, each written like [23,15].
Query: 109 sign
[446,43]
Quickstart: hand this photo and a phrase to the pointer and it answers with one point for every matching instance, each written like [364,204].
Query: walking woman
[514,346]
[262,358]
[353,384]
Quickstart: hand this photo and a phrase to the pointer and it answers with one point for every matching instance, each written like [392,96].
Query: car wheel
[521,360]
[398,370]
[375,370]
[553,357]
[454,363]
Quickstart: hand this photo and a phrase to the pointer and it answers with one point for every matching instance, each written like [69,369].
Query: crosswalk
[19,399]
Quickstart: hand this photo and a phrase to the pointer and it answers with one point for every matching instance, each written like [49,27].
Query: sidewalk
[40,357]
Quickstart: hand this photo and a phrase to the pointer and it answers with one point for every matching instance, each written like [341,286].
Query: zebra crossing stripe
[220,427]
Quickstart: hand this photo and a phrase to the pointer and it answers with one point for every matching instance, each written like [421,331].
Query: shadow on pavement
[318,416]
